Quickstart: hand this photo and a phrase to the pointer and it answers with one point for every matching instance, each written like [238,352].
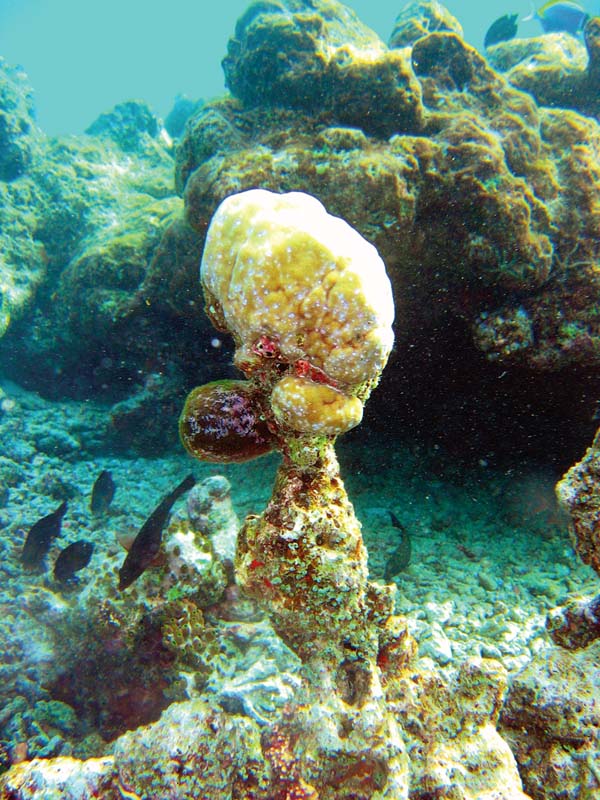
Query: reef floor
[482,553]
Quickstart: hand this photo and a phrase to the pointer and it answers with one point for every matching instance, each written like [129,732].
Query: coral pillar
[305,561]
[310,308]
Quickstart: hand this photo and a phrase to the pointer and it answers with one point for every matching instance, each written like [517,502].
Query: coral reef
[194,747]
[465,594]
[290,283]
[321,59]
[450,727]
[490,154]
[417,19]
[62,779]
[551,716]
[82,222]
[462,182]
[483,203]
[309,305]
[576,624]
[18,132]
[21,256]
[487,600]
[130,125]
[82,662]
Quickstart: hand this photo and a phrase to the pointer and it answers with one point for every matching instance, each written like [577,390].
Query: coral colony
[310,308]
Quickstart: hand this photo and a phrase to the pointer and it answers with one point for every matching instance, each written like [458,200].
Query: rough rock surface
[18,131]
[551,720]
[62,779]
[320,58]
[557,69]
[420,17]
[430,203]
[579,493]
[84,223]
[197,750]
[22,258]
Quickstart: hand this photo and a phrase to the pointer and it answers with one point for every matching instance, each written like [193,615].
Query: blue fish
[557,17]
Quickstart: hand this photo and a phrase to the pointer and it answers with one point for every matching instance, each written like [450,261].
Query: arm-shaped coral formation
[310,307]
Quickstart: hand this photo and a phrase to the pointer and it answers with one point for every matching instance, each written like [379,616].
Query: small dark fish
[400,558]
[466,551]
[74,557]
[40,537]
[103,492]
[146,544]
[502,30]
[557,17]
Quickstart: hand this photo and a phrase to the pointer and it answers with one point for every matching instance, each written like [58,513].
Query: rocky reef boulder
[420,17]
[319,57]
[82,227]
[551,721]
[131,125]
[488,202]
[22,257]
[556,68]
[18,131]
[483,215]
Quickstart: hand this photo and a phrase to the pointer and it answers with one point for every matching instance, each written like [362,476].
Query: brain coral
[291,281]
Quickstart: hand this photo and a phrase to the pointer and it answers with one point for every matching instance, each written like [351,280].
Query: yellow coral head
[278,269]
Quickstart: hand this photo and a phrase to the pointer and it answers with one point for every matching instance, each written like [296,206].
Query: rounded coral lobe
[299,404]
[221,422]
[280,269]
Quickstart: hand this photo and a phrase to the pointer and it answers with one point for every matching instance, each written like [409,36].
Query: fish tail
[532,14]
[183,487]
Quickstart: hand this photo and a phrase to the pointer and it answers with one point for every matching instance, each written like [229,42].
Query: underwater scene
[300,419]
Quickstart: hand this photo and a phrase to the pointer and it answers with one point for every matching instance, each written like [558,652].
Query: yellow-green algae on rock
[308,407]
[280,266]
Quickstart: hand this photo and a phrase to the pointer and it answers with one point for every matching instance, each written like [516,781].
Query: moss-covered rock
[420,17]
[556,68]
[322,59]
[18,131]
